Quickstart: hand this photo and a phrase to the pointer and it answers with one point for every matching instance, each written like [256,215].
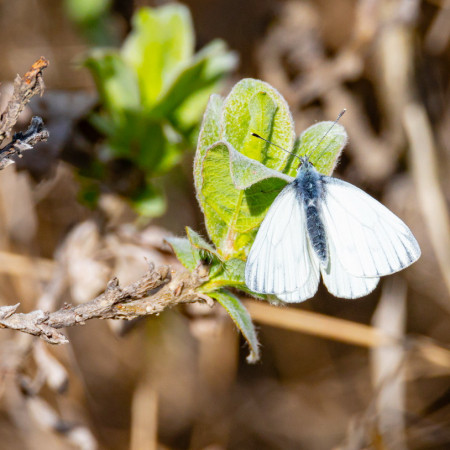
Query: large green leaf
[256,107]
[209,134]
[241,318]
[232,216]
[161,42]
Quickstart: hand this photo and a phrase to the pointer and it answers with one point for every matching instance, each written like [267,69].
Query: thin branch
[23,141]
[24,88]
[156,291]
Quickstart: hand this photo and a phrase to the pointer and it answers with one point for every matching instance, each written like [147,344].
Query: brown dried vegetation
[372,373]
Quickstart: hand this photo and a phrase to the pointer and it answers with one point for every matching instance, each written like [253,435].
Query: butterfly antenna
[271,143]
[325,135]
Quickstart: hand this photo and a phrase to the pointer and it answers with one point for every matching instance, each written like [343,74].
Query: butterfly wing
[368,239]
[340,283]
[280,261]
[310,286]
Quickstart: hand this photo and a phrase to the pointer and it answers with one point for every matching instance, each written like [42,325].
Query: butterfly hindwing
[342,284]
[369,240]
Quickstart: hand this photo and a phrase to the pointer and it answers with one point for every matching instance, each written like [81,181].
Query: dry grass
[372,373]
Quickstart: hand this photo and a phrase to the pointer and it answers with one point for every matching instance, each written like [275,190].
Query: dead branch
[24,88]
[156,291]
[23,141]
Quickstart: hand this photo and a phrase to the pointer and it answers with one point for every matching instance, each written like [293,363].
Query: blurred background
[115,179]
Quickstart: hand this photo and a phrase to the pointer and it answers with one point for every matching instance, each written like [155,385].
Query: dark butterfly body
[309,185]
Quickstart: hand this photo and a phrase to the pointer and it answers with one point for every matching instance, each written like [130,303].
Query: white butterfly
[322,225]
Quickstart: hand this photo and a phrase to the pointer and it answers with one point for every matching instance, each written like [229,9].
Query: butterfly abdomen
[309,185]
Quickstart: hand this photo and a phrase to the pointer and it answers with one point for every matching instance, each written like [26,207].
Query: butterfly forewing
[310,286]
[279,261]
[369,240]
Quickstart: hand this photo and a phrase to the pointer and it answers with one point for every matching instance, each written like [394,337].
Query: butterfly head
[305,163]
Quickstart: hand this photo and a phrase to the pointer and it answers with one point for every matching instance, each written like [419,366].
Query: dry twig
[156,291]
[24,88]
[23,141]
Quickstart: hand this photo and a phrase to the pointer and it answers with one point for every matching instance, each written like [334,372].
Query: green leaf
[206,252]
[256,107]
[144,142]
[241,318]
[152,94]
[199,76]
[198,250]
[229,274]
[329,148]
[161,42]
[222,273]
[187,115]
[198,242]
[183,250]
[232,216]
[116,82]
[246,172]
[209,134]
[154,151]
